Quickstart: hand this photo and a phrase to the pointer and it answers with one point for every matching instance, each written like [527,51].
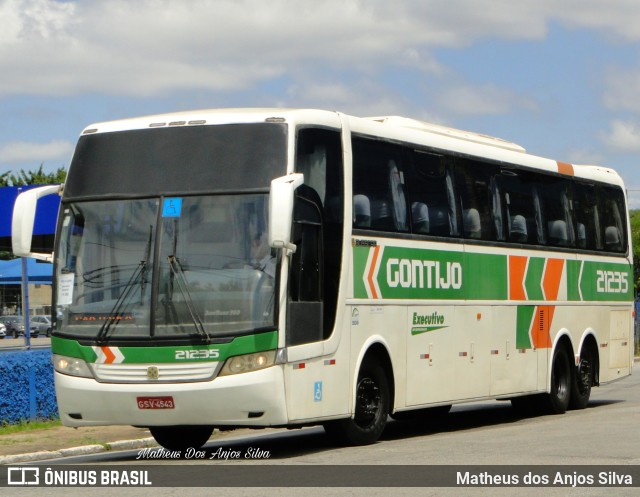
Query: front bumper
[250,399]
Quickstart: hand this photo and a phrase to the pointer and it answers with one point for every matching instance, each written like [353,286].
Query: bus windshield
[170,267]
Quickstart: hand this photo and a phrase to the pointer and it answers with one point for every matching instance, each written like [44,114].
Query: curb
[80,451]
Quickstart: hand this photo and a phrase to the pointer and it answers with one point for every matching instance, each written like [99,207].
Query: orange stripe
[540,327]
[517,268]
[109,356]
[565,168]
[551,278]
[372,268]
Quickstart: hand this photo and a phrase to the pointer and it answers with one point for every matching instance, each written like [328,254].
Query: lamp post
[25,303]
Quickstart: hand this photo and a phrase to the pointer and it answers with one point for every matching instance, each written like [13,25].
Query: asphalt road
[487,433]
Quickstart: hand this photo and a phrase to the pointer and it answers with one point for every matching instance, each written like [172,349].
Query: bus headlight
[71,366]
[248,362]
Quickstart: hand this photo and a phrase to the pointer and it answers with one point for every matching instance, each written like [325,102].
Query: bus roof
[391,127]
[450,132]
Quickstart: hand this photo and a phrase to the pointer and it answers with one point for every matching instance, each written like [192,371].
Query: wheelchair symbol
[317,391]
[172,207]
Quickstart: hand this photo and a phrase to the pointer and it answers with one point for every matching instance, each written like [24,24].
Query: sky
[560,78]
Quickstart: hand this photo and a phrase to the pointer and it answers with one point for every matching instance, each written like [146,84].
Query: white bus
[284,268]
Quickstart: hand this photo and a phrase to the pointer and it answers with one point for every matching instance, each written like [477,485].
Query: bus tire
[181,437]
[557,400]
[371,409]
[583,380]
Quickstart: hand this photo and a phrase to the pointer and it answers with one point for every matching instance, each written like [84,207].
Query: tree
[38,177]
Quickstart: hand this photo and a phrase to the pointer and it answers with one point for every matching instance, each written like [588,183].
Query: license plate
[155,403]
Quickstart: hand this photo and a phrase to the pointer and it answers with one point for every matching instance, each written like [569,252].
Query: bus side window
[432,196]
[378,186]
[517,191]
[585,209]
[479,201]
[558,202]
[613,224]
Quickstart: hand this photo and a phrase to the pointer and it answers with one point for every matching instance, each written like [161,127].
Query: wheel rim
[584,375]
[368,402]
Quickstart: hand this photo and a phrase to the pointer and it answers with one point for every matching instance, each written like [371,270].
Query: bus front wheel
[557,400]
[371,408]
[181,437]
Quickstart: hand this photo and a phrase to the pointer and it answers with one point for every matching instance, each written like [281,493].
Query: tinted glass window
[519,197]
[319,158]
[585,203]
[481,211]
[557,217]
[613,226]
[378,186]
[432,198]
[453,197]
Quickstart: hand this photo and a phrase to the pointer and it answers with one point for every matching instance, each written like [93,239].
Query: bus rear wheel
[181,437]
[583,380]
[371,410]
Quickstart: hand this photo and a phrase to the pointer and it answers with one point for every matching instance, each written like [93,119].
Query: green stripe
[159,354]
[533,279]
[573,274]
[485,277]
[523,325]
[606,281]
[411,273]
[406,273]
[360,255]
[417,330]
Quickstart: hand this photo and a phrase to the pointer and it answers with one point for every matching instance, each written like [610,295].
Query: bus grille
[155,373]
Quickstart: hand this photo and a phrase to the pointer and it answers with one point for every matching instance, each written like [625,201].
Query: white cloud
[18,152]
[624,136]
[483,100]
[622,90]
[616,19]
[585,156]
[151,47]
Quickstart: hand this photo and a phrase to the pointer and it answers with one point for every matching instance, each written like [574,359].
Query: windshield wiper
[139,275]
[177,275]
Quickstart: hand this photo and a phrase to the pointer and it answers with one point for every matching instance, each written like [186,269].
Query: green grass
[7,429]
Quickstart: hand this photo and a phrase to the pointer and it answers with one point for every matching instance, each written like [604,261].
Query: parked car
[15,326]
[43,323]
[3,330]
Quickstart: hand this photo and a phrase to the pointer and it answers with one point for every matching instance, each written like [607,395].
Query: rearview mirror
[281,210]
[24,215]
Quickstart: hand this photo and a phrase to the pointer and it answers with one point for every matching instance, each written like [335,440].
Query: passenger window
[434,208]
[378,186]
[477,193]
[613,225]
[519,199]
[585,208]
[557,209]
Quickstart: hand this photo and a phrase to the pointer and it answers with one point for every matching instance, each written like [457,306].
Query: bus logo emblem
[153,373]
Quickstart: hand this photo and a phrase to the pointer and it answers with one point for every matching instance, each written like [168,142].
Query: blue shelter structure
[40,273]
